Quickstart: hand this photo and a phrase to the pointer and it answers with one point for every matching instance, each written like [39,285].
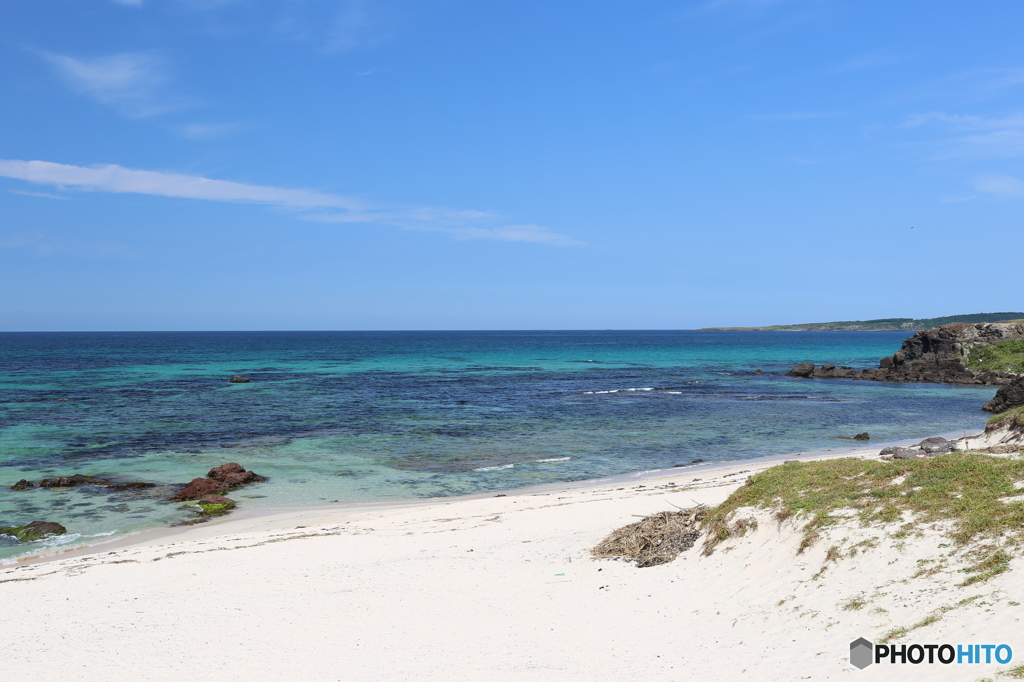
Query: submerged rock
[37,530]
[64,481]
[239,379]
[23,485]
[862,436]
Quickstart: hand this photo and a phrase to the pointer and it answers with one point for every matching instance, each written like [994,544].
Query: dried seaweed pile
[657,539]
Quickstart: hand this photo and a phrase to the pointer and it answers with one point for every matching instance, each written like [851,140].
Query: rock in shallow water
[23,485]
[37,530]
[221,479]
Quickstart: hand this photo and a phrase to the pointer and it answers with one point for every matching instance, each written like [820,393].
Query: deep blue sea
[357,416]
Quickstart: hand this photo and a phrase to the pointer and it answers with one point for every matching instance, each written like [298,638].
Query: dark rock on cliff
[37,530]
[23,485]
[1008,397]
[939,355]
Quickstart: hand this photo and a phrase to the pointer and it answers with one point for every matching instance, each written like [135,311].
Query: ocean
[335,417]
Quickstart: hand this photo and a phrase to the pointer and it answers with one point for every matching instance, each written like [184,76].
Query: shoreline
[275,518]
[499,586]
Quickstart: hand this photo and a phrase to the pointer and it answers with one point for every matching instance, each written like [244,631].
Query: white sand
[485,588]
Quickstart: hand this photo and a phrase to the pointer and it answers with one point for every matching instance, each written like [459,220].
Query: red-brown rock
[234,475]
[200,487]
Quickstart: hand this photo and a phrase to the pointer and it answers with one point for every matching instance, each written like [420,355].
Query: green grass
[1004,356]
[962,487]
[1011,419]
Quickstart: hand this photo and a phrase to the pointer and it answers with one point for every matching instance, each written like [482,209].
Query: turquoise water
[358,416]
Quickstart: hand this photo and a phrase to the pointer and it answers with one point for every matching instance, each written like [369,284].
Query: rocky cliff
[953,353]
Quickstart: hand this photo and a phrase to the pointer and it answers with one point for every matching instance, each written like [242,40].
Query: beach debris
[37,530]
[23,485]
[219,480]
[862,436]
[657,539]
[237,379]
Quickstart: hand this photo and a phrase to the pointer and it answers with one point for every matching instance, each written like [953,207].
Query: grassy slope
[1005,356]
[961,487]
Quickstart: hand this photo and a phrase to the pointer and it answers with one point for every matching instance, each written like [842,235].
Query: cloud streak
[307,204]
[133,83]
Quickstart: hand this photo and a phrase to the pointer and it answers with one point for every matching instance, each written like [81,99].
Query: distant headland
[891,324]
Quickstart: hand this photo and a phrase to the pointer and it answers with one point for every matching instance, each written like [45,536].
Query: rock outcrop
[929,447]
[1008,397]
[237,379]
[79,479]
[37,530]
[939,355]
[219,480]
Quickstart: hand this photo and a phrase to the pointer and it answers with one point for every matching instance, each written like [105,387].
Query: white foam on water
[503,466]
[616,390]
[554,459]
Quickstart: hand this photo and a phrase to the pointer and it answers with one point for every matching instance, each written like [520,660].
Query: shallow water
[357,416]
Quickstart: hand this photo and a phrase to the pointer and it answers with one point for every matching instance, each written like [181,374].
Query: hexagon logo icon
[861,653]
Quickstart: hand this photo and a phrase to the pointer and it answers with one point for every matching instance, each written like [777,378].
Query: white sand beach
[486,588]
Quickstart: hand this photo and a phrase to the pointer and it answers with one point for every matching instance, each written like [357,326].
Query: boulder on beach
[936,446]
[37,530]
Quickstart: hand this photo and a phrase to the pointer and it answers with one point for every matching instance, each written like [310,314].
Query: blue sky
[449,164]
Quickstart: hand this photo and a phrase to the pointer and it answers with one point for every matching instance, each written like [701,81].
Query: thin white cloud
[206,131]
[1000,185]
[328,207]
[133,83]
[118,179]
[979,137]
[43,195]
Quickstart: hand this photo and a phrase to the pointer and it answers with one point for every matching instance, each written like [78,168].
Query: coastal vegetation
[1011,419]
[975,499]
[1003,356]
